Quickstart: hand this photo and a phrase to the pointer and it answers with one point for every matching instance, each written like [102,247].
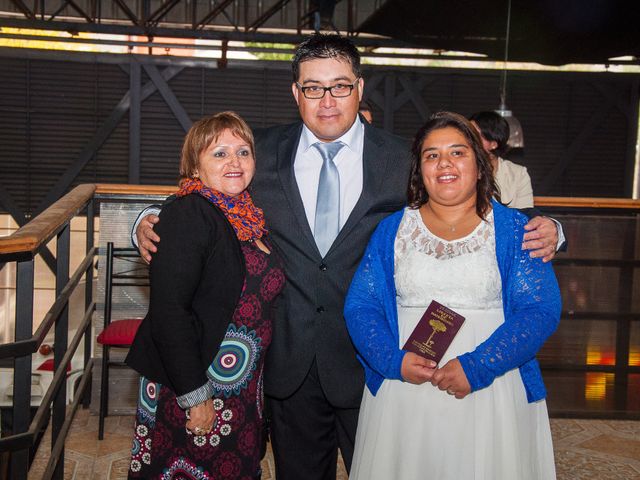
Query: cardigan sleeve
[531,309]
[175,274]
[367,308]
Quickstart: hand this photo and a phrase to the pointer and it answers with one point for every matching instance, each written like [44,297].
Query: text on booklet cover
[434,332]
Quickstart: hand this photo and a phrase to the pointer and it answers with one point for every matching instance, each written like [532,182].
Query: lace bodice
[529,289]
[461,273]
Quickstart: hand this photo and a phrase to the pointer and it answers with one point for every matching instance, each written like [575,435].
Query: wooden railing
[22,247]
[137,190]
[587,202]
[30,240]
[557,202]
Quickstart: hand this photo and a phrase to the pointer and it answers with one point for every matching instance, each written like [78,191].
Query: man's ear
[360,88]
[295,91]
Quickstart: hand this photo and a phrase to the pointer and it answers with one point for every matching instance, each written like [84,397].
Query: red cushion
[120,332]
[47,366]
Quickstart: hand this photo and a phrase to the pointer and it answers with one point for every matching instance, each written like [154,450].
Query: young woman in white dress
[481,414]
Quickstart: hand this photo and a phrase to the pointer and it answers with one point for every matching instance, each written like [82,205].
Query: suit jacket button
[320,309]
[322,267]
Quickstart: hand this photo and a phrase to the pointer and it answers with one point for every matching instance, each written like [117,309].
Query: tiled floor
[596,449]
[585,450]
[88,458]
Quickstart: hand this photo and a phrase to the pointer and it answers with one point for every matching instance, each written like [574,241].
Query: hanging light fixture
[516,138]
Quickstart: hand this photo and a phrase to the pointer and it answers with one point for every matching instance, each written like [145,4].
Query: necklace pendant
[453,228]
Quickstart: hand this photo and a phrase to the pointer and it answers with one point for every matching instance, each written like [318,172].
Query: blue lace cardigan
[530,296]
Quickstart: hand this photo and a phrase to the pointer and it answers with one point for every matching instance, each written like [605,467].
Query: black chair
[131,271]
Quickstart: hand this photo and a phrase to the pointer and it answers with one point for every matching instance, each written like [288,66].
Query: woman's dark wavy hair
[486,186]
[495,129]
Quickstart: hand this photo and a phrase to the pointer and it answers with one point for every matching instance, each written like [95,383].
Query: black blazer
[308,319]
[196,280]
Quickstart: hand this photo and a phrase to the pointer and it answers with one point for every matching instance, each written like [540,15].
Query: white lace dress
[411,432]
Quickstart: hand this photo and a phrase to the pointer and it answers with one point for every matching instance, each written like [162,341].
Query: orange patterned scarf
[246,219]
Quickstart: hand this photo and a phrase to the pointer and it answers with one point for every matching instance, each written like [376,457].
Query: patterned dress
[162,449]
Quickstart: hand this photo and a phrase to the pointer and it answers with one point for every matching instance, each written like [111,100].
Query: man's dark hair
[326,46]
[494,128]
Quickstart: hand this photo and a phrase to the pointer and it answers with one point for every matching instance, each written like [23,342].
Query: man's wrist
[150,210]
[561,237]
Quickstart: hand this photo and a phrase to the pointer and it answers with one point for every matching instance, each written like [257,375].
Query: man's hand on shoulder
[146,237]
[541,238]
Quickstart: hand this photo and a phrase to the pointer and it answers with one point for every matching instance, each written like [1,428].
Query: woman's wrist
[195,397]
[199,405]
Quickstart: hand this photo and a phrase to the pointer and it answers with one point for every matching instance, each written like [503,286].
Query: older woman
[201,348]
[481,414]
[512,180]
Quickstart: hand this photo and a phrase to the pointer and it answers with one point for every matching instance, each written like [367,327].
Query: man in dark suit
[312,378]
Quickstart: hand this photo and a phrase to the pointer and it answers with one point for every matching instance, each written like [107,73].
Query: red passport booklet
[434,332]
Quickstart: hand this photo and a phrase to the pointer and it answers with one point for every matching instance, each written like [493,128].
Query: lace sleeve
[532,311]
[370,306]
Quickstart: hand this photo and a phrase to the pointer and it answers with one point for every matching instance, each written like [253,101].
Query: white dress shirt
[308,163]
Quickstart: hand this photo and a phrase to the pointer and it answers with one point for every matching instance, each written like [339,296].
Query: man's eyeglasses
[315,92]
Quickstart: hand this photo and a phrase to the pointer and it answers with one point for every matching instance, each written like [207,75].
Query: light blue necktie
[327,221]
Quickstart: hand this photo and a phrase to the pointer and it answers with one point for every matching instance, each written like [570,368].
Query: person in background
[202,346]
[321,220]
[481,413]
[513,180]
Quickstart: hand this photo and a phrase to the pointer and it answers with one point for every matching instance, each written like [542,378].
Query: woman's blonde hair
[206,131]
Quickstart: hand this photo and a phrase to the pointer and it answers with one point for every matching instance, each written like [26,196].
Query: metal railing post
[88,294]
[61,339]
[623,323]
[22,364]
[104,374]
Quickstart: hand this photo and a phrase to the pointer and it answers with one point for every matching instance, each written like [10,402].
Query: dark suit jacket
[309,322]
[196,280]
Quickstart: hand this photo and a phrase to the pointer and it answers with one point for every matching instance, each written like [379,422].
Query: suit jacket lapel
[374,164]
[287,147]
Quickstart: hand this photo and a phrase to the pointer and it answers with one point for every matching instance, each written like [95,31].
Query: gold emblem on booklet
[434,332]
